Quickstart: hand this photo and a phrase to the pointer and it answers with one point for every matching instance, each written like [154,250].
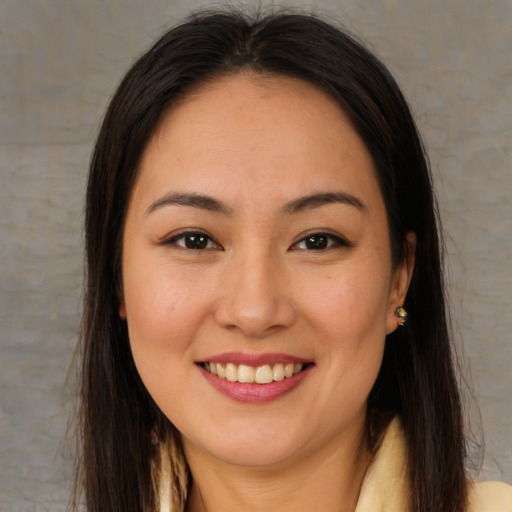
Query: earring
[401,314]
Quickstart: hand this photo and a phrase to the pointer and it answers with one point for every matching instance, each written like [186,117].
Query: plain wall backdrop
[60,62]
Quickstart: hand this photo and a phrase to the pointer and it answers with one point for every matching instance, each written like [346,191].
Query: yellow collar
[386,489]
[385,486]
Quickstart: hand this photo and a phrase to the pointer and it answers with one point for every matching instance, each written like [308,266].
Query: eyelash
[175,239]
[326,241]
[332,241]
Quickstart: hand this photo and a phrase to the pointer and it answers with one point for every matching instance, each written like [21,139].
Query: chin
[249,447]
[264,455]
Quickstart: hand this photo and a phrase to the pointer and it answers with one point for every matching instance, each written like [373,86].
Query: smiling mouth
[264,374]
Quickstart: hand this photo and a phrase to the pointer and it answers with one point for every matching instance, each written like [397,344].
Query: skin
[256,144]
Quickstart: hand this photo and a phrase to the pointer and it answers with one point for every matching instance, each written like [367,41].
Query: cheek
[162,315]
[163,318]
[348,313]
[352,302]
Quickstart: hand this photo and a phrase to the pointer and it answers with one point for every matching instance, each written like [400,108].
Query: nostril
[255,317]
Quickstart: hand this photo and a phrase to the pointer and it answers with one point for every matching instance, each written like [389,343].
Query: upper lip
[254,359]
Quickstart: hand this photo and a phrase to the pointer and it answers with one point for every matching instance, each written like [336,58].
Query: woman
[264,321]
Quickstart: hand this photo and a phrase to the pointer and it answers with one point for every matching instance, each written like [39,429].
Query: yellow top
[385,485]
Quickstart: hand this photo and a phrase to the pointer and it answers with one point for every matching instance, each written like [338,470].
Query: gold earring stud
[401,314]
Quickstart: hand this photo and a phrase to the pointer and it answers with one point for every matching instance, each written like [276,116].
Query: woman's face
[256,248]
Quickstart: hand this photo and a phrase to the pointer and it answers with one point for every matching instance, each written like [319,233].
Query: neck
[327,479]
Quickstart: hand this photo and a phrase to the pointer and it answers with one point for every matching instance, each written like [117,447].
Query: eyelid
[171,239]
[339,240]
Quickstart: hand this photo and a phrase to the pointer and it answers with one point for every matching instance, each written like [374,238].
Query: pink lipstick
[255,378]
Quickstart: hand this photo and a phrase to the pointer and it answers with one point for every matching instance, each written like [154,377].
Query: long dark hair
[122,430]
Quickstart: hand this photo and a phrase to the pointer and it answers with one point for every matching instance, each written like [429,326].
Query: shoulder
[490,497]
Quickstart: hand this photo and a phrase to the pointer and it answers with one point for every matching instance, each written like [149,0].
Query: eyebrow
[195,200]
[321,199]
[300,204]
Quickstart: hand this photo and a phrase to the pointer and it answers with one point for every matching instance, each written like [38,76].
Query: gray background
[60,61]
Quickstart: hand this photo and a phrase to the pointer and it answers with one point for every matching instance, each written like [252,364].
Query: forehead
[256,130]
[255,103]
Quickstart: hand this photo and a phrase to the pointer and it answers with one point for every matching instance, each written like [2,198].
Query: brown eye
[319,242]
[194,241]
[316,242]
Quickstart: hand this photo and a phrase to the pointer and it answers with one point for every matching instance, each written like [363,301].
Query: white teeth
[278,372]
[246,373]
[264,374]
[231,372]
[288,370]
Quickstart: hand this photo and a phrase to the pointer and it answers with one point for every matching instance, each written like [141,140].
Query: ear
[401,280]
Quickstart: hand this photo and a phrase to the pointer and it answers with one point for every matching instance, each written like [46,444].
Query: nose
[255,300]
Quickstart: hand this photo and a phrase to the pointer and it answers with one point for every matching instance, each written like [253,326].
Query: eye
[193,240]
[319,242]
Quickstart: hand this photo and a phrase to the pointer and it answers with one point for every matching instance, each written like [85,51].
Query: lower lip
[255,393]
